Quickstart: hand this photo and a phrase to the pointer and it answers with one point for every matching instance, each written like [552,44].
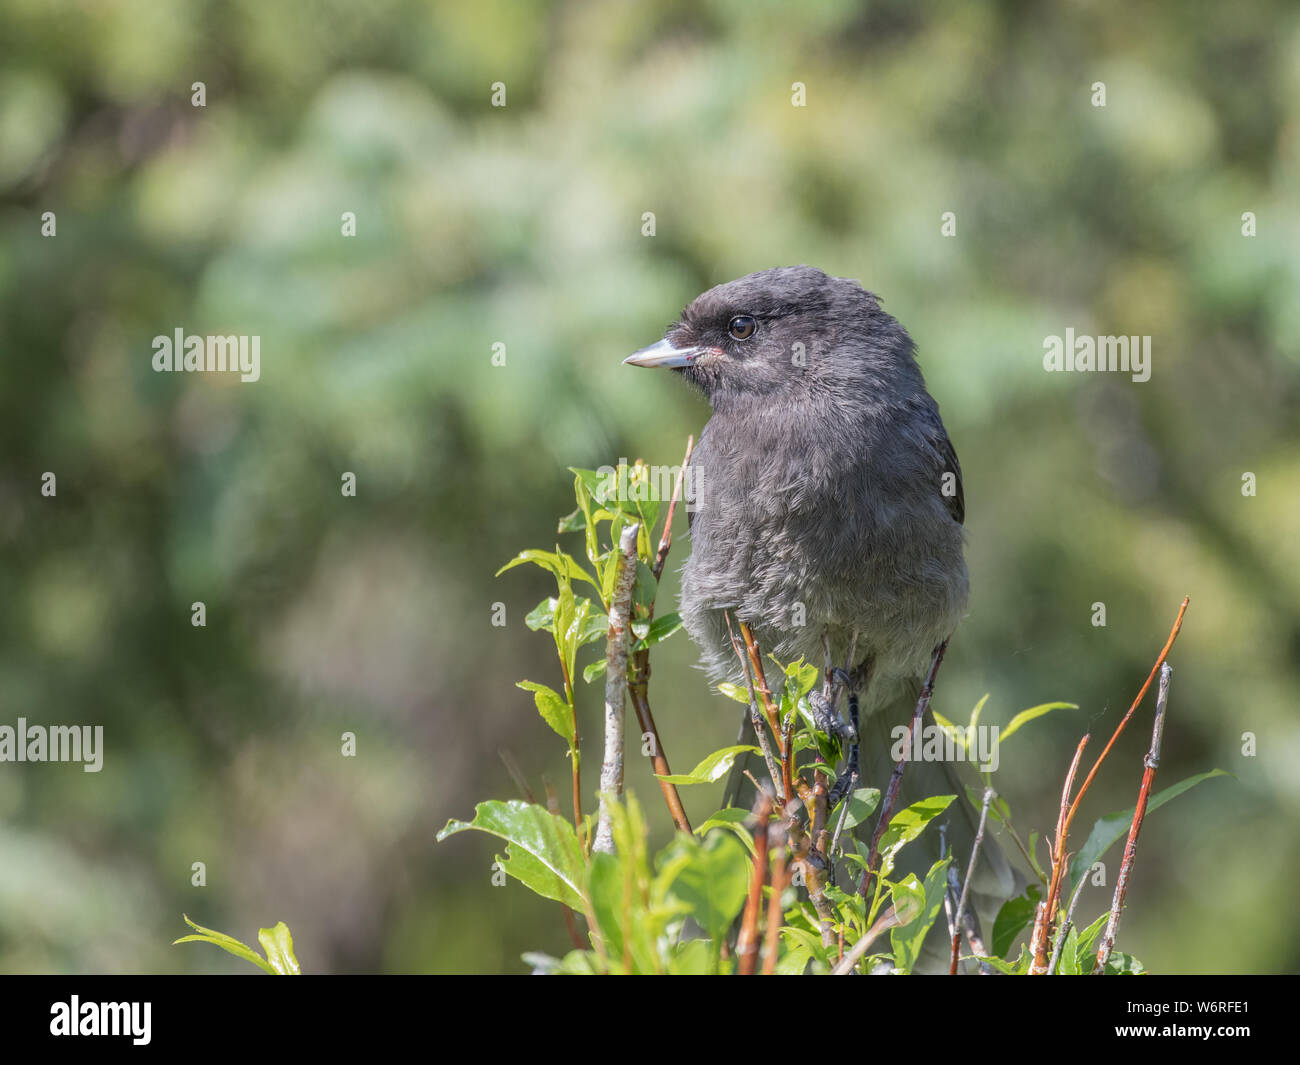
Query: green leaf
[1114,826]
[862,804]
[800,679]
[561,566]
[1011,968]
[906,825]
[711,768]
[646,588]
[1121,964]
[794,962]
[542,616]
[908,897]
[278,944]
[1086,940]
[1032,848]
[582,493]
[732,815]
[1015,916]
[575,963]
[802,939]
[571,617]
[660,629]
[907,938]
[227,943]
[1069,963]
[551,705]
[594,627]
[605,888]
[734,691]
[609,572]
[575,522]
[692,958]
[732,819]
[596,669]
[1026,716]
[545,855]
[713,883]
[957,733]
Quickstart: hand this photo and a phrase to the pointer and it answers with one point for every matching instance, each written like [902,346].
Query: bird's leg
[847,780]
[827,682]
[853,681]
[824,714]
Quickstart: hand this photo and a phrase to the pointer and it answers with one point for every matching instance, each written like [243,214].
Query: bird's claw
[828,720]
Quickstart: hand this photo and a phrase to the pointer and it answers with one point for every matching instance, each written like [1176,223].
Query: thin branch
[775,917]
[639,681]
[666,540]
[659,759]
[1067,817]
[815,869]
[1046,915]
[970,924]
[760,731]
[1151,763]
[970,875]
[765,693]
[620,609]
[1064,933]
[747,943]
[846,965]
[1173,635]
[844,810]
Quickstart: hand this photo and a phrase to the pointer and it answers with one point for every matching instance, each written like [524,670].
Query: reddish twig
[1151,763]
[639,680]
[666,539]
[788,784]
[1064,931]
[1046,915]
[747,942]
[765,694]
[775,917]
[1173,635]
[760,733]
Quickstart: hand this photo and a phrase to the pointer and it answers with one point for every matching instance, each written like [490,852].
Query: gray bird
[828,497]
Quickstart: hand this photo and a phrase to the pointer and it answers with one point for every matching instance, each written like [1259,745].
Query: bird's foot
[847,779]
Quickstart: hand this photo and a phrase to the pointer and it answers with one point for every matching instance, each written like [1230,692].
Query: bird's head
[777,334]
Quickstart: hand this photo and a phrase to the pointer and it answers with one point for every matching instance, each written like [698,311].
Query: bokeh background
[522,225]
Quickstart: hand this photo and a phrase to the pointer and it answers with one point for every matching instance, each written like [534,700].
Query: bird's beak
[663,354]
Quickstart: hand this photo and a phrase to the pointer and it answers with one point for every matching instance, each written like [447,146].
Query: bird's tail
[994,881]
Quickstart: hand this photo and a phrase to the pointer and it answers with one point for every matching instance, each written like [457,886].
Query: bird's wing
[949,464]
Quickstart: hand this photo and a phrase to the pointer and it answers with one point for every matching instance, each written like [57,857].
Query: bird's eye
[742,327]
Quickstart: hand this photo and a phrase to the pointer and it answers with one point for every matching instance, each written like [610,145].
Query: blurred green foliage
[523,226]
